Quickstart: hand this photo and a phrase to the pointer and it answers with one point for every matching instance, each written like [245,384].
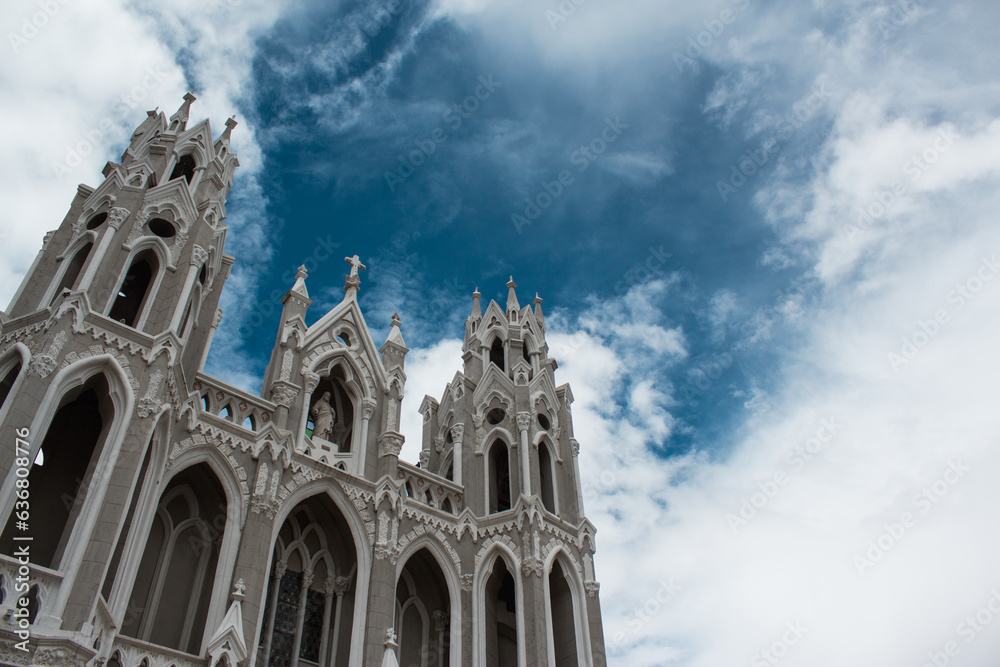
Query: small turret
[178,122]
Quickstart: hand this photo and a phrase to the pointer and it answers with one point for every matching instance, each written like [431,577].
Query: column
[307,579]
[198,257]
[457,431]
[340,586]
[279,572]
[440,624]
[523,423]
[116,217]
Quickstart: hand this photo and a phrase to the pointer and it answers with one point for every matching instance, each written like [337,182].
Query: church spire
[512,303]
[223,139]
[539,316]
[300,282]
[178,122]
[477,313]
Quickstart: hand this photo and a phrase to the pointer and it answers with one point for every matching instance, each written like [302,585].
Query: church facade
[155,516]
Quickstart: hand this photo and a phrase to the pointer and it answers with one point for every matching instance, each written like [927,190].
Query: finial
[539,315]
[512,303]
[300,281]
[179,120]
[390,637]
[227,133]
[395,320]
[477,312]
[239,589]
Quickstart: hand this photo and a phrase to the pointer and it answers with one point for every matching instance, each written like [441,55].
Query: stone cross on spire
[353,281]
[356,264]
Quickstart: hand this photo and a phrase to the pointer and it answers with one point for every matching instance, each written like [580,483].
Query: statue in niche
[323,415]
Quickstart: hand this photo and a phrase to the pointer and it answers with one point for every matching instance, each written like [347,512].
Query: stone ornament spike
[512,303]
[477,312]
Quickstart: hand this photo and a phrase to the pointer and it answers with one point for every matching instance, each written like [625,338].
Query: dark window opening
[134,289]
[73,269]
[496,353]
[97,220]
[543,421]
[495,416]
[64,471]
[499,478]
[8,381]
[501,618]
[203,274]
[545,478]
[525,353]
[185,167]
[162,228]
[563,625]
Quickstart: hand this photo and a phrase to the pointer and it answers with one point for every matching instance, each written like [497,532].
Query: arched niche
[336,393]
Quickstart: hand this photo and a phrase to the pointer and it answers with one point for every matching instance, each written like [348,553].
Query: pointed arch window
[423,609]
[133,293]
[73,269]
[304,610]
[546,478]
[184,168]
[501,617]
[499,476]
[497,353]
[74,440]
[173,586]
[563,630]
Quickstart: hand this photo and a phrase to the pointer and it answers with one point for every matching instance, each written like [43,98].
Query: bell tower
[144,248]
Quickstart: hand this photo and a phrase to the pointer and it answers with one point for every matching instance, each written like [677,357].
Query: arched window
[496,353]
[7,382]
[499,477]
[64,470]
[545,477]
[133,293]
[173,586]
[97,220]
[501,617]
[422,613]
[305,618]
[184,167]
[72,271]
[563,635]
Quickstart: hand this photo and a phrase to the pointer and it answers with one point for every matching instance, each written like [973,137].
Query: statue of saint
[323,415]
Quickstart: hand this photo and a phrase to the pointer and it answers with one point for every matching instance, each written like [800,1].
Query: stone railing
[426,488]
[132,652]
[241,408]
[43,588]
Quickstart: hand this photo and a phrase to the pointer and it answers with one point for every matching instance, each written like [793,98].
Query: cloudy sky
[765,232]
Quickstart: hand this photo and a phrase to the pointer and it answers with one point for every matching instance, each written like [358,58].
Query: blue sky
[772,292]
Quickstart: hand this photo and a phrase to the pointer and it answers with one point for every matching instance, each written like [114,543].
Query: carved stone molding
[117,216]
[523,421]
[390,444]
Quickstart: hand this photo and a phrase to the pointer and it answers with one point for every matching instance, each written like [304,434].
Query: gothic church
[154,516]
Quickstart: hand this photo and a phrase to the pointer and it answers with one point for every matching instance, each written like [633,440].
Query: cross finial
[390,637]
[356,264]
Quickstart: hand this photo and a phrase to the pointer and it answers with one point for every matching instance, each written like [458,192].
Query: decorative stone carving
[283,394]
[148,404]
[198,255]
[117,216]
[341,585]
[368,408]
[323,416]
[312,380]
[523,421]
[425,458]
[438,444]
[575,444]
[467,582]
[390,444]
[456,433]
[280,568]
[593,587]
[218,318]
[307,578]
[43,364]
